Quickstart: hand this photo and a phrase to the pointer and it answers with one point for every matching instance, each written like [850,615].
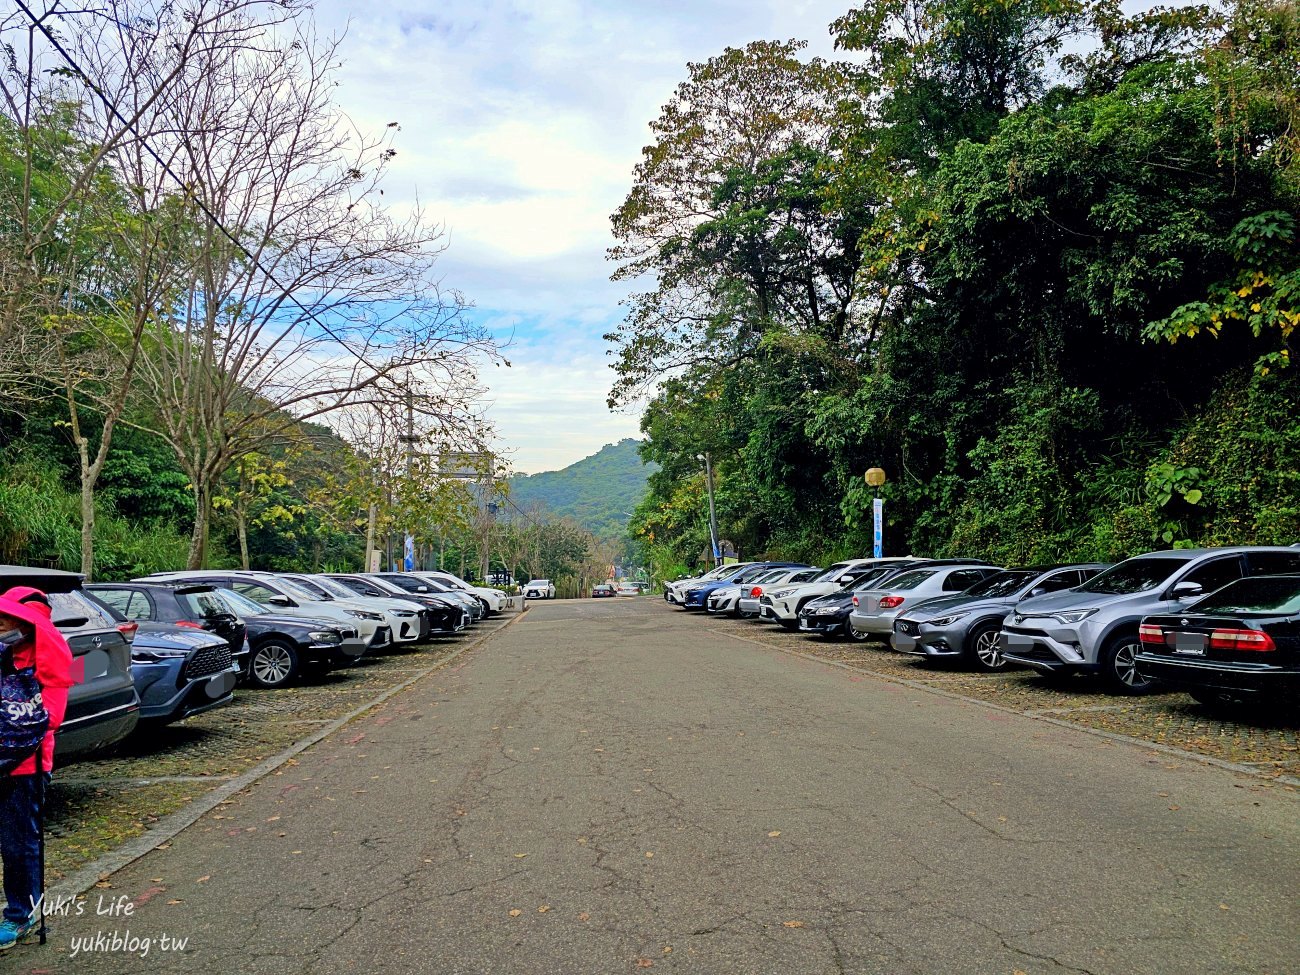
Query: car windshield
[831,574]
[203,604]
[315,588]
[1135,575]
[241,605]
[296,591]
[335,589]
[1270,595]
[863,582]
[443,580]
[910,580]
[1002,584]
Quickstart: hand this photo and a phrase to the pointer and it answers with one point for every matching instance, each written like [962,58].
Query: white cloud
[521,123]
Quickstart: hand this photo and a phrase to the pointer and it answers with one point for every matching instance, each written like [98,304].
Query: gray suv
[1094,627]
[966,625]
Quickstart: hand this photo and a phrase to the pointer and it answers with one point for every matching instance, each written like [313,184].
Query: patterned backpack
[23,718]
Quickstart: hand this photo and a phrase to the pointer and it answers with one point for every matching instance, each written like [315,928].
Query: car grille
[207,660]
[765,601]
[905,626]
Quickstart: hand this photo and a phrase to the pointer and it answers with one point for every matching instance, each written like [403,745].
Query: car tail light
[855,600]
[1242,640]
[1151,634]
[189,624]
[128,630]
[756,592]
[890,602]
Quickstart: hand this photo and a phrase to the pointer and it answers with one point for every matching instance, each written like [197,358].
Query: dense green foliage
[1063,286]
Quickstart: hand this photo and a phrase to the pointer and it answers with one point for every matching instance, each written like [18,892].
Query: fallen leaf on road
[668,949]
[649,855]
[582,840]
[644,963]
[584,916]
[775,833]
[156,880]
[174,901]
[1224,907]
[516,912]
[520,856]
[544,908]
[273,819]
[204,879]
[793,924]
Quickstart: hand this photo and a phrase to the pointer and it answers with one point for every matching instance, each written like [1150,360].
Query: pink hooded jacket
[49,652]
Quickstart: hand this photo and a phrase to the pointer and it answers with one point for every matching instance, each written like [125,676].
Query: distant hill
[597,492]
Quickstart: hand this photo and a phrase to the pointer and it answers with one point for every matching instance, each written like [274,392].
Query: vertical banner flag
[878,517]
[408,552]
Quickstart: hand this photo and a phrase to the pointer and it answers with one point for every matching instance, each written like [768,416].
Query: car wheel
[982,648]
[1119,666]
[853,633]
[273,664]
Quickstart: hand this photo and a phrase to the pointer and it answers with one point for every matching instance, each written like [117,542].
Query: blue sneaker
[12,932]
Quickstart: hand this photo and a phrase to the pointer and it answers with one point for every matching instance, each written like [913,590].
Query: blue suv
[697,596]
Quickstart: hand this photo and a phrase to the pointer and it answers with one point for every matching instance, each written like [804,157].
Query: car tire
[1119,668]
[273,664]
[982,648]
[857,636]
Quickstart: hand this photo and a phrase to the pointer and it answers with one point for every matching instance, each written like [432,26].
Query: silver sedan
[874,610]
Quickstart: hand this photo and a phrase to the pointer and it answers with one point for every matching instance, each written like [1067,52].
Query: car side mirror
[280,601]
[1186,590]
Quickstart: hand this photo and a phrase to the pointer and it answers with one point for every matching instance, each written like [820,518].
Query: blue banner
[878,517]
[408,551]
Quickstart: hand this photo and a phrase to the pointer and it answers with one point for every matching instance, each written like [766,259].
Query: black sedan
[446,615]
[281,646]
[1239,644]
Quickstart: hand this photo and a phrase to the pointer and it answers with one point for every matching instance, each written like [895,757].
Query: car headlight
[1073,616]
[946,620]
[361,614]
[150,654]
[403,613]
[325,636]
[826,610]
[781,593]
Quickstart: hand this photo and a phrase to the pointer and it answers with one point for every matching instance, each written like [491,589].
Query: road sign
[878,517]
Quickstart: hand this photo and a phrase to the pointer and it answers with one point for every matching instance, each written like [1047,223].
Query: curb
[1048,719]
[85,877]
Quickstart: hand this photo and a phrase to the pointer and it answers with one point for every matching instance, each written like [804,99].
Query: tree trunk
[87,516]
[199,537]
[242,521]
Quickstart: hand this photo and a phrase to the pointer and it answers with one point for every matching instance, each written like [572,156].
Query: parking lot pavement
[1270,745]
[96,806]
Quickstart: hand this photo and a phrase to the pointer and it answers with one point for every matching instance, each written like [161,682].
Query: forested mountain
[598,492]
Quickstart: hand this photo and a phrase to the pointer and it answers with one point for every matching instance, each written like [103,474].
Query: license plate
[1189,643]
[873,604]
[904,642]
[1018,641]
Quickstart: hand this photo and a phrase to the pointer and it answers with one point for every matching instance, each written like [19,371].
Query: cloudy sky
[521,121]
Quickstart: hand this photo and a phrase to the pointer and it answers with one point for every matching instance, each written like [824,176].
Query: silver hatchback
[874,610]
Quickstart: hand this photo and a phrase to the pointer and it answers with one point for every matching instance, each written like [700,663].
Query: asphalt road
[608,786]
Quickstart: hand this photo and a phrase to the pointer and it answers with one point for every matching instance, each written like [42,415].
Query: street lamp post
[713,516]
[875,477]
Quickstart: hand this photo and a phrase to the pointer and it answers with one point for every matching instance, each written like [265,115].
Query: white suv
[782,603]
[539,589]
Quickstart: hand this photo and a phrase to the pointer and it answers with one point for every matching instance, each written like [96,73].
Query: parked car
[697,596]
[1094,628]
[967,625]
[409,583]
[282,647]
[103,704]
[727,599]
[288,599]
[186,604]
[601,589]
[748,603]
[783,603]
[445,615]
[628,589]
[829,615]
[875,609]
[407,620]
[179,669]
[674,591]
[1238,647]
[494,600]
[539,589]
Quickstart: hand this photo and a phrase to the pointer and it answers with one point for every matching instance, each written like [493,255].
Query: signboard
[878,517]
[373,560]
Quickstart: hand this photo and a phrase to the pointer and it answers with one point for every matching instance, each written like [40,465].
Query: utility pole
[713,515]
